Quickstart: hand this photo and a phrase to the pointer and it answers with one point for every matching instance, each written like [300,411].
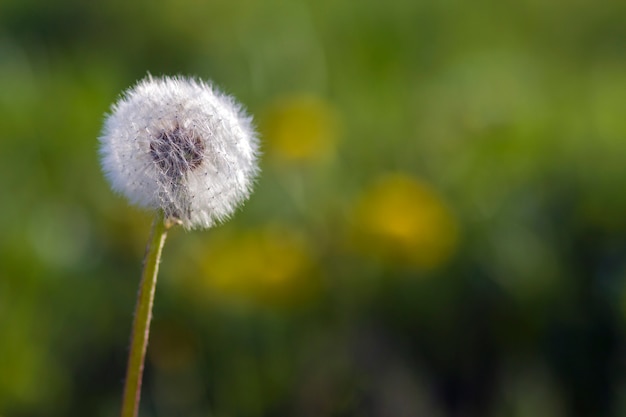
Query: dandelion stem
[143,315]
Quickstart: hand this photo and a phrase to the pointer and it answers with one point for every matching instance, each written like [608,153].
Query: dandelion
[402,219]
[183,148]
[300,128]
[268,267]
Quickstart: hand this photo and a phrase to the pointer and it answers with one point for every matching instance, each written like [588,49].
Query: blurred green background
[439,229]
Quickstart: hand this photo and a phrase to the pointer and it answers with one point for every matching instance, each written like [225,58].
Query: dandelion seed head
[182,146]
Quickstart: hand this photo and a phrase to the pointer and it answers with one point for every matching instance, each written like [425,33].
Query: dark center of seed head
[177,151]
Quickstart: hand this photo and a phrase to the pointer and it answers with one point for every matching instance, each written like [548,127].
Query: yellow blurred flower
[299,128]
[271,265]
[401,219]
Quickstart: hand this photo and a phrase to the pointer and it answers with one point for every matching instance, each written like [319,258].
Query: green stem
[143,314]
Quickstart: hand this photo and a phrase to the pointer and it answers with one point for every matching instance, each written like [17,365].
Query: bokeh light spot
[400,218]
[300,127]
[267,266]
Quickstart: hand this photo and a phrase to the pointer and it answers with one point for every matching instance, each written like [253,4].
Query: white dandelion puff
[182,146]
